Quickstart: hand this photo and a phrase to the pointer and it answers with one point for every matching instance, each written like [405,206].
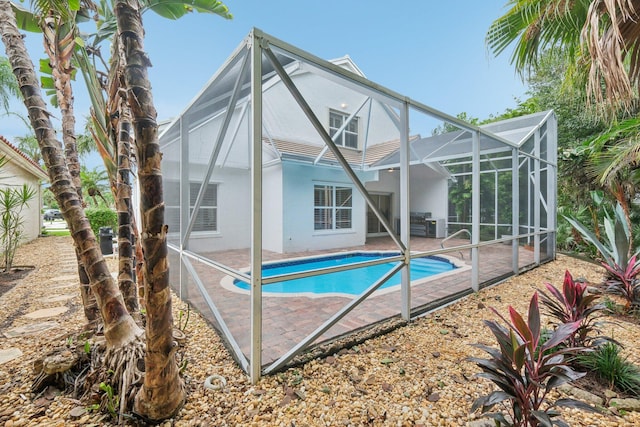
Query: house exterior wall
[13,175]
[283,118]
[298,201]
[387,183]
[428,191]
[234,214]
[272,208]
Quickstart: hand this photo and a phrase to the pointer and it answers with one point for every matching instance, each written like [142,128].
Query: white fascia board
[20,161]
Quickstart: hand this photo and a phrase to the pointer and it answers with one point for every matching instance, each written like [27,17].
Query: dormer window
[349,136]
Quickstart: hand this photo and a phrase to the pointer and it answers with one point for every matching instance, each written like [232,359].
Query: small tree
[12,201]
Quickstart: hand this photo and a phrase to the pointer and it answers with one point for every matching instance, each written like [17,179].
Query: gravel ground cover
[415,375]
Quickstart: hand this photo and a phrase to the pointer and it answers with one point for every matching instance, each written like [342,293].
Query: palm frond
[612,36]
[536,26]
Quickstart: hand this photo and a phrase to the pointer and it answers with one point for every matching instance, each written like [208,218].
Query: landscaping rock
[582,395]
[625,404]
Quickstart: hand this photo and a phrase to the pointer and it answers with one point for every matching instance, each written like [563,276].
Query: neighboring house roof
[21,159]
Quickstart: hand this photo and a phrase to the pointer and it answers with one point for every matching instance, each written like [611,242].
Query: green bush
[609,364]
[102,217]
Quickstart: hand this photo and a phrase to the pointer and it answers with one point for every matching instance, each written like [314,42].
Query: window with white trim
[349,136]
[207,217]
[332,207]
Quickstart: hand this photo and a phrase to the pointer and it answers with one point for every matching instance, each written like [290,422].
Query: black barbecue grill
[420,224]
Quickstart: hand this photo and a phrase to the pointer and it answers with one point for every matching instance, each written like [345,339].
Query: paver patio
[289,319]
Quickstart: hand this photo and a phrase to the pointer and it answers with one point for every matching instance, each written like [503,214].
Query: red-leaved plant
[574,304]
[525,369]
[624,281]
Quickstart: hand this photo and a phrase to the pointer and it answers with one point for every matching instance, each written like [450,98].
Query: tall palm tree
[162,393]
[600,36]
[603,38]
[123,336]
[56,20]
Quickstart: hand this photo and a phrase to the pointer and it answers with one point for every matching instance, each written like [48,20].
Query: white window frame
[194,189]
[348,131]
[330,219]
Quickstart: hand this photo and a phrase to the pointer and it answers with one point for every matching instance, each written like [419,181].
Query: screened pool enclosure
[285,157]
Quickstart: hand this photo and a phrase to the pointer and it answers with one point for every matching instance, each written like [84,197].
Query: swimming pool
[348,282]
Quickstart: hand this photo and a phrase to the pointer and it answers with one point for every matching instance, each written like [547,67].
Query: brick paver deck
[289,319]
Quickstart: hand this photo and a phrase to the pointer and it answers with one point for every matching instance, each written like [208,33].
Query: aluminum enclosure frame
[261,54]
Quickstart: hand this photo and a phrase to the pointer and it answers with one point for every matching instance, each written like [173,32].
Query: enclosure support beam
[552,186]
[184,199]
[496,208]
[536,198]
[475,211]
[405,286]
[256,209]
[238,355]
[515,211]
[222,132]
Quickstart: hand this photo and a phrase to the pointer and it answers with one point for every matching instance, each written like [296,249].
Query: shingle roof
[373,154]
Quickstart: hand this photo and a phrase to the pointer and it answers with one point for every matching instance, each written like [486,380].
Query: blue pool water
[353,281]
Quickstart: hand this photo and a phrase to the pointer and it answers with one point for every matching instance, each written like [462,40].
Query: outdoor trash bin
[106,240]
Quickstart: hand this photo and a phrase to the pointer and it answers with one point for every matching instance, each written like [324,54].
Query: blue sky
[432,51]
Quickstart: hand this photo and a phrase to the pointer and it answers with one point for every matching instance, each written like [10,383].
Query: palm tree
[28,144]
[612,35]
[536,26]
[95,182]
[56,20]
[8,84]
[603,38]
[599,36]
[162,393]
[122,334]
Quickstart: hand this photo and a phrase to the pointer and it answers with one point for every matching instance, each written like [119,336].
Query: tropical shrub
[624,282]
[12,201]
[525,370]
[619,260]
[102,217]
[607,362]
[616,250]
[573,304]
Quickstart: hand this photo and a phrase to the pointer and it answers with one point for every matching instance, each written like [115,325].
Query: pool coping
[227,281]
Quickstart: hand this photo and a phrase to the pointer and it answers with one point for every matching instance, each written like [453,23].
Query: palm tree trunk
[162,393]
[126,280]
[120,329]
[118,109]
[59,48]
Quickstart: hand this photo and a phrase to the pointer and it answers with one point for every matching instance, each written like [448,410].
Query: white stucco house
[20,169]
[311,202]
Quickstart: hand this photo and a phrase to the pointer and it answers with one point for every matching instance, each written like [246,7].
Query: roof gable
[21,159]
